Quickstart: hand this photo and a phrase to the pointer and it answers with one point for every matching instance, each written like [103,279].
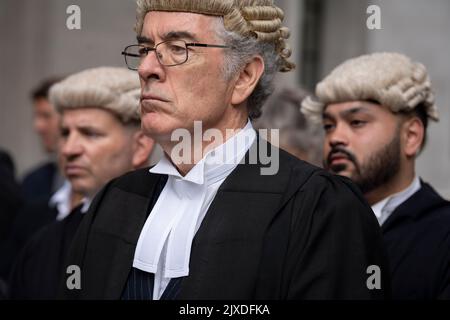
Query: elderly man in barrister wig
[375,111]
[219,217]
[101,139]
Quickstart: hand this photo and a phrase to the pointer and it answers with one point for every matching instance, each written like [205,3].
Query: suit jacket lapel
[424,200]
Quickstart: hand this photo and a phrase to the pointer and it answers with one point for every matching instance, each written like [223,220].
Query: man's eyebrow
[327,116]
[173,35]
[177,35]
[358,109]
[87,127]
[142,39]
[355,110]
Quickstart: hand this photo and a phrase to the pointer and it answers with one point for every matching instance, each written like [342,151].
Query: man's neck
[395,185]
[200,146]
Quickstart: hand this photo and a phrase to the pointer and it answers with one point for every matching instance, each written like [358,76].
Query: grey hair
[282,112]
[243,49]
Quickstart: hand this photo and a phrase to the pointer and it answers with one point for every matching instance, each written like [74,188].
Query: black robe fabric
[33,214]
[300,234]
[10,203]
[37,269]
[10,196]
[31,217]
[417,238]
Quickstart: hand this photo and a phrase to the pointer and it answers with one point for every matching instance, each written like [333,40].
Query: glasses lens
[171,53]
[133,56]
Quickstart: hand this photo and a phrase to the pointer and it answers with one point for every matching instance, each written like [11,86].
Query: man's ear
[247,80]
[142,148]
[413,134]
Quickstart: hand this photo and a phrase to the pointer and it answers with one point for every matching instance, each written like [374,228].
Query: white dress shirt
[164,245]
[61,200]
[384,208]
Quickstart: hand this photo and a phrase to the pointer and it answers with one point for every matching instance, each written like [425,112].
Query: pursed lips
[72,169]
[338,156]
[149,102]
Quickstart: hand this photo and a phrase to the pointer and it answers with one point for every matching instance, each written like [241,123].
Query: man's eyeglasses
[169,53]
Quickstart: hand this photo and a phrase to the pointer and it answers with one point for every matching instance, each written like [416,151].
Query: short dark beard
[336,168]
[379,169]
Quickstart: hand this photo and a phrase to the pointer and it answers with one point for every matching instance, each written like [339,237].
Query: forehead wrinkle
[351,111]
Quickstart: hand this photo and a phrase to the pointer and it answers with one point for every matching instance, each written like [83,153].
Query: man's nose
[71,147]
[339,136]
[150,68]
[39,125]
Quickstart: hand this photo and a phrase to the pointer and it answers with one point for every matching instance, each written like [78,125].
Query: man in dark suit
[224,215]
[40,183]
[375,111]
[43,181]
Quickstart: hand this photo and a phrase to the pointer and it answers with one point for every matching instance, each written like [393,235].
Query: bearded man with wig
[375,111]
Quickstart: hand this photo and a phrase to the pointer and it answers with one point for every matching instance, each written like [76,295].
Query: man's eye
[357,123]
[143,51]
[64,133]
[91,134]
[327,127]
[174,49]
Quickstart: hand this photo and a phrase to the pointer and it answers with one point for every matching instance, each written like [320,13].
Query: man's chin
[342,170]
[80,186]
[338,168]
[159,128]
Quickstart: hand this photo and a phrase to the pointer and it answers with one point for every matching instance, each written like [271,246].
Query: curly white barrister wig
[391,79]
[110,88]
[259,19]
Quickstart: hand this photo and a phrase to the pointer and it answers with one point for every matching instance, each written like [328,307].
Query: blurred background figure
[40,183]
[10,201]
[10,197]
[297,134]
[44,180]
[101,139]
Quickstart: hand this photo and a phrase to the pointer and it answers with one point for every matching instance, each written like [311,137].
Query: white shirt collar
[216,162]
[384,208]
[86,204]
[61,200]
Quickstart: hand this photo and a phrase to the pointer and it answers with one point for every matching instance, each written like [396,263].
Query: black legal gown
[299,234]
[417,240]
[38,268]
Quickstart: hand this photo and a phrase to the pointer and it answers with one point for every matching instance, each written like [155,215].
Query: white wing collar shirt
[164,245]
